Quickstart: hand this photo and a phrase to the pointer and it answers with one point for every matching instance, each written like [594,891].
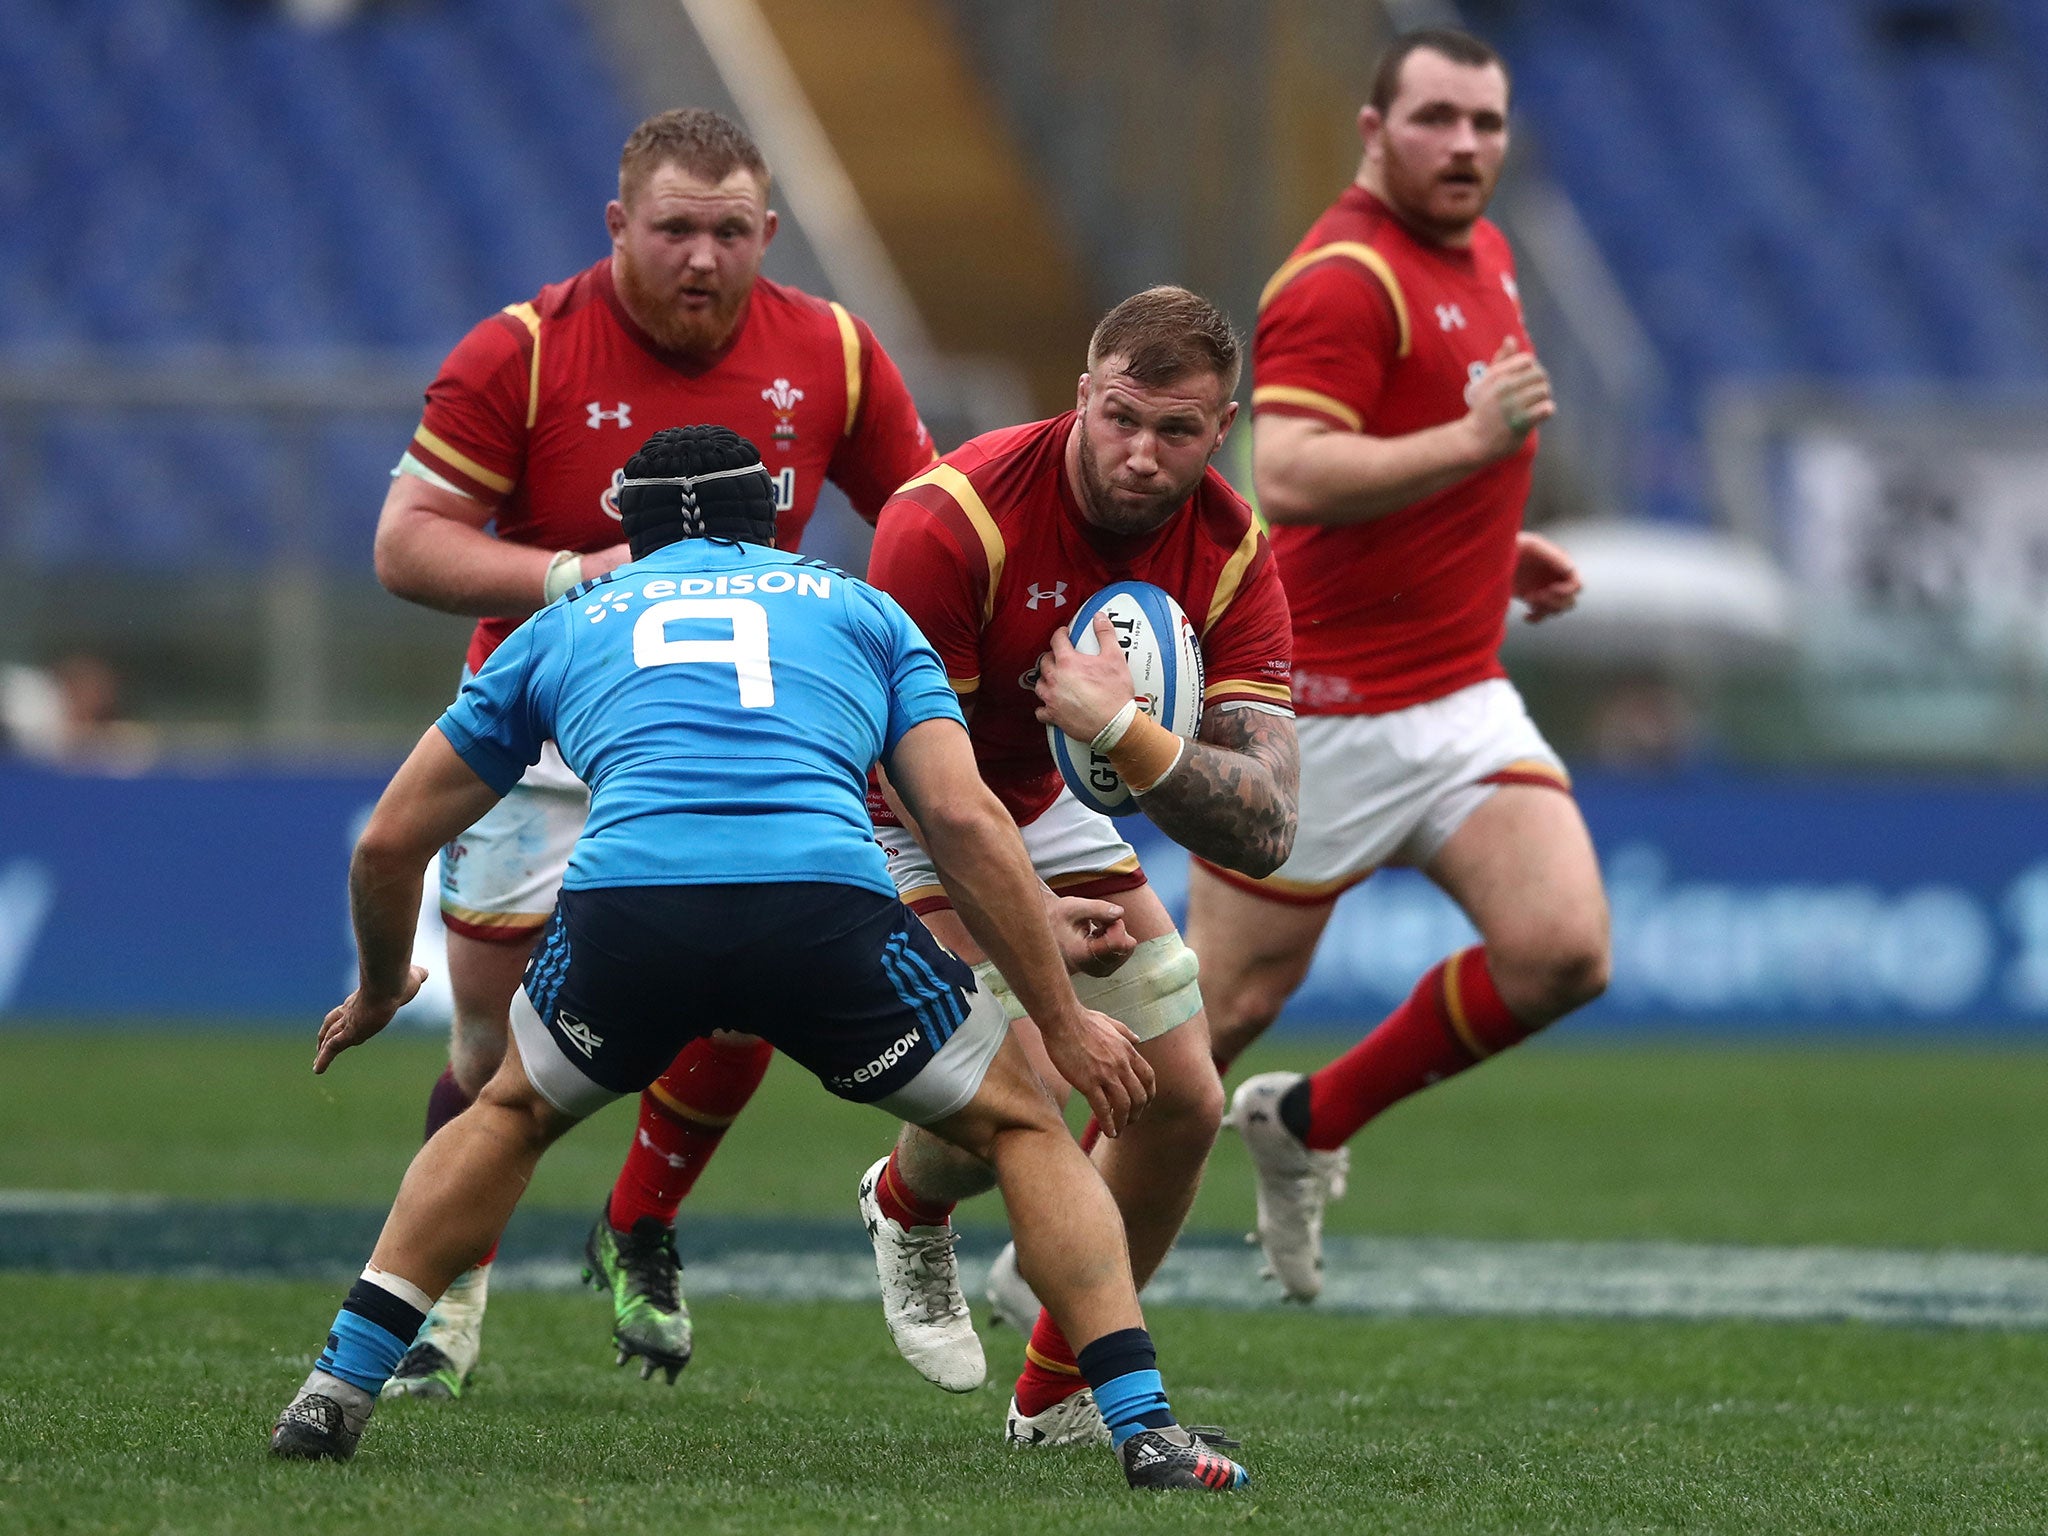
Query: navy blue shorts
[844,980]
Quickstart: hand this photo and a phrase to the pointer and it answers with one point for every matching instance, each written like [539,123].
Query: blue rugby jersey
[724,702]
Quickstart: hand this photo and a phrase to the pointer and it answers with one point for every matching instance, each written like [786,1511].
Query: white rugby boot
[1010,1296]
[921,1300]
[443,1357]
[1295,1184]
[1070,1421]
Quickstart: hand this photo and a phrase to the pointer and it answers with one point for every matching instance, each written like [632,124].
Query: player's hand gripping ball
[1165,659]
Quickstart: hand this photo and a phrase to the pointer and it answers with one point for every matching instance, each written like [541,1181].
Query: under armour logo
[599,415]
[1448,316]
[578,1033]
[1507,286]
[1056,594]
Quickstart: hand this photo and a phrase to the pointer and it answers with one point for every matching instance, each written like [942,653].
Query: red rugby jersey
[989,554]
[1373,329]
[539,406]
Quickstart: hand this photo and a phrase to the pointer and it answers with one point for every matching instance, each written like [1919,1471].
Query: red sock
[1453,1019]
[1091,1133]
[1050,1372]
[683,1116]
[903,1205]
[445,1102]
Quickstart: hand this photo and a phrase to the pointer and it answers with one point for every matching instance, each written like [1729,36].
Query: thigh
[865,998]
[1234,930]
[621,980]
[1522,866]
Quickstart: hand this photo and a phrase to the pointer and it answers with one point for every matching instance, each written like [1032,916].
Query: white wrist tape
[1119,723]
[564,572]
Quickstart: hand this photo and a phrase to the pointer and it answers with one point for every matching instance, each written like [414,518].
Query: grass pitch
[133,1404]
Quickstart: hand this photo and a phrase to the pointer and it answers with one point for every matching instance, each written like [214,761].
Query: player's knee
[476,1047]
[1188,1105]
[1557,972]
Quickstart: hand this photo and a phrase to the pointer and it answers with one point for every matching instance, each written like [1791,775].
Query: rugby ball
[1165,659]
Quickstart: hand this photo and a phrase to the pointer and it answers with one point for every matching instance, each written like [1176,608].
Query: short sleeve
[473,431]
[1248,646]
[918,690]
[918,560]
[888,443]
[499,722]
[1324,345]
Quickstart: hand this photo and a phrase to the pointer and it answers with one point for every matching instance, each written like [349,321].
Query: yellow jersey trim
[1280,693]
[1365,256]
[1313,399]
[968,499]
[964,685]
[462,461]
[849,343]
[1232,578]
[529,317]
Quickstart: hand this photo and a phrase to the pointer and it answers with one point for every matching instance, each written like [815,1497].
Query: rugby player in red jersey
[991,551]
[1396,397]
[505,500]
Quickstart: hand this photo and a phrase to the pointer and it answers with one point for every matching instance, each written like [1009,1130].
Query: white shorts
[499,879]
[1076,851]
[1392,788]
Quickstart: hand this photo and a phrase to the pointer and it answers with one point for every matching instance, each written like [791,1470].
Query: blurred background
[1787,263]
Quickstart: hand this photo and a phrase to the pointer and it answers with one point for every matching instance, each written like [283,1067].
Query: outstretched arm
[433,797]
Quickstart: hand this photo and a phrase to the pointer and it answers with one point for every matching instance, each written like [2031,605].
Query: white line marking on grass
[1389,1276]
[1414,1276]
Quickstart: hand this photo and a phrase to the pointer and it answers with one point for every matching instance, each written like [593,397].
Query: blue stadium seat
[1824,189]
[193,174]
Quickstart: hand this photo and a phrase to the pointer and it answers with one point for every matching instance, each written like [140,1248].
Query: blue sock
[1123,1370]
[371,1332]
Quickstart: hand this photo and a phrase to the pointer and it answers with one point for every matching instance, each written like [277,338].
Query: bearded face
[685,253]
[1142,449]
[1435,156]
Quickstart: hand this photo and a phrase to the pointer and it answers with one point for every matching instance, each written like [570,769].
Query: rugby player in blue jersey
[725,702]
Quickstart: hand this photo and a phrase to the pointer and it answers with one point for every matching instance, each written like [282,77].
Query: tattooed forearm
[1233,796]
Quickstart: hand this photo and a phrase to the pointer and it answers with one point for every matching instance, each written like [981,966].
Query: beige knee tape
[1154,991]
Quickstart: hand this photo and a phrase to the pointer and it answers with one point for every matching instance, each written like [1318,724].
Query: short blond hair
[707,144]
[1165,334]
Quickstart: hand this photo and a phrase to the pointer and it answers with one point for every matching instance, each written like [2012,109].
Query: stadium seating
[192,178]
[1835,189]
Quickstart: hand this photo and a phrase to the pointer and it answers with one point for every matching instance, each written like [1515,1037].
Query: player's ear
[1369,124]
[1223,422]
[615,218]
[769,224]
[1081,395]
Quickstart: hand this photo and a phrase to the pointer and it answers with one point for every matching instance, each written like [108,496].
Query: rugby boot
[1070,1421]
[1010,1297]
[443,1357]
[650,1319]
[921,1300]
[1177,1457]
[323,1422]
[1294,1184]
